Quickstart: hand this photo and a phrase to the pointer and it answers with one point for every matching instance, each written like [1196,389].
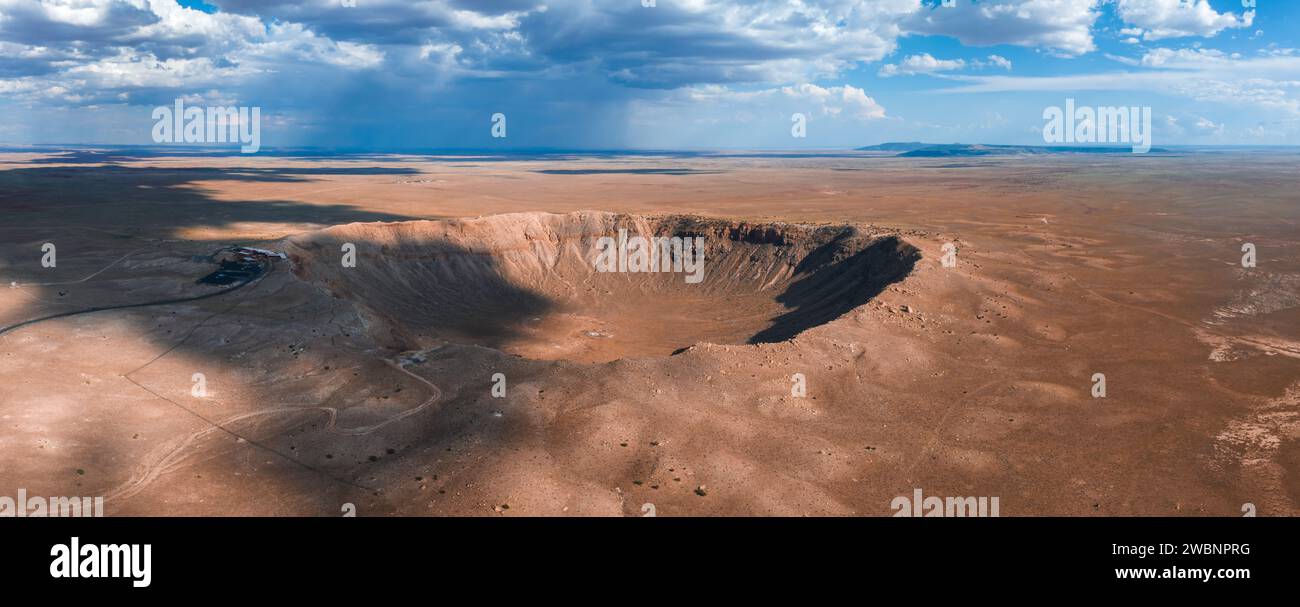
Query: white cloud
[81,14]
[1162,19]
[292,41]
[993,61]
[1185,58]
[846,100]
[1205,125]
[175,23]
[128,70]
[923,63]
[1122,59]
[1274,51]
[835,116]
[1064,26]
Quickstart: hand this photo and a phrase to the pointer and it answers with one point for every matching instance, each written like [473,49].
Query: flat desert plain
[1073,335]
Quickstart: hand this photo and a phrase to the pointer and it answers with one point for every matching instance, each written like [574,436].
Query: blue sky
[614,74]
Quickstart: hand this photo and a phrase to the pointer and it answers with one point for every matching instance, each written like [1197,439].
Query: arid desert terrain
[471,361]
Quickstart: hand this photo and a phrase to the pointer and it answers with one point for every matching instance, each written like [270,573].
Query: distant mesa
[897,146]
[915,149]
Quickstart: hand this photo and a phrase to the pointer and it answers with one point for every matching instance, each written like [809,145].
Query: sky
[392,75]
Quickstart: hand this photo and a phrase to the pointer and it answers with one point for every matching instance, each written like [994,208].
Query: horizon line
[6,147]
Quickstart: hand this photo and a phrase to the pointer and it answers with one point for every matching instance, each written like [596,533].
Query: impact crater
[531,283]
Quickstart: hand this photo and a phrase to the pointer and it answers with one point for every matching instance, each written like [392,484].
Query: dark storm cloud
[32,23]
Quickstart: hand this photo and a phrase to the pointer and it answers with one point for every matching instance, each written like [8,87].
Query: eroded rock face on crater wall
[530,283]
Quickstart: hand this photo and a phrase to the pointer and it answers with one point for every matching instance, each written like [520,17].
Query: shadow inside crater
[831,287]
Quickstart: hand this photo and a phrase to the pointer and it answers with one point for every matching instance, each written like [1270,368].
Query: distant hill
[896,146]
[914,149]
